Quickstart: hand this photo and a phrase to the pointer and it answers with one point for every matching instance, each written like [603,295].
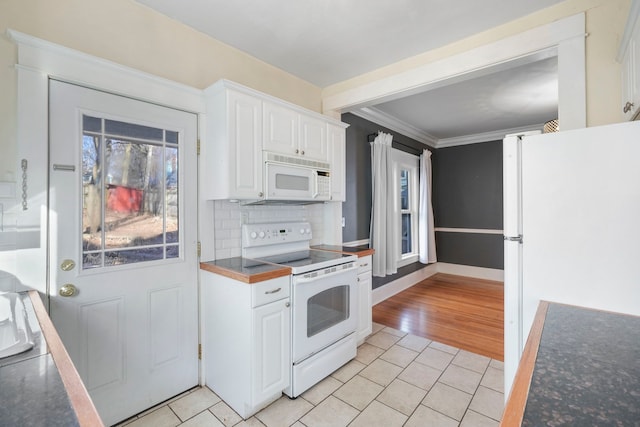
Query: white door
[123,245]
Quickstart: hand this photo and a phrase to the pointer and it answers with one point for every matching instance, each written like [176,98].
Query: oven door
[325,308]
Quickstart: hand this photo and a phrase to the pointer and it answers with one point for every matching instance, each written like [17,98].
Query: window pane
[404,189]
[112,258]
[406,233]
[171,156]
[130,130]
[91,192]
[172,137]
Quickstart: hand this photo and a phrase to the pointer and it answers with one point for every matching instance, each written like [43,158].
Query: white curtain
[426,232]
[382,233]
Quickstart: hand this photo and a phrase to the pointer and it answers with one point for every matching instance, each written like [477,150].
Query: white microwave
[296,179]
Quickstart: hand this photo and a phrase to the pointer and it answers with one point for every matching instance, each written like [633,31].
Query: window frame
[406,161]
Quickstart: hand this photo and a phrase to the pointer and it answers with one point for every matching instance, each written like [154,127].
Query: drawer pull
[364,265]
[273,291]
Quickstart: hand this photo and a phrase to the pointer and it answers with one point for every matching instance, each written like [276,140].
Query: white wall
[229,217]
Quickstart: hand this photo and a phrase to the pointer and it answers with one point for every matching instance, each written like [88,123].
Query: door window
[130,210]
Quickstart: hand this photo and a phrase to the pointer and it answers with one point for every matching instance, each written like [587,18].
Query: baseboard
[390,289]
[471,271]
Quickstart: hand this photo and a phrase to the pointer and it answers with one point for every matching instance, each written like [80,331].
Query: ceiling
[329,41]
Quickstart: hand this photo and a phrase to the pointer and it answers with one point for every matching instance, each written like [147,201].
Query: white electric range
[323,298]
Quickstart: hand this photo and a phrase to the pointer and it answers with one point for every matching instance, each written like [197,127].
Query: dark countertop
[580,367]
[359,251]
[587,370]
[31,388]
[245,270]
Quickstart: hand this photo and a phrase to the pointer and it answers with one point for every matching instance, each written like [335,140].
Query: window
[130,193]
[406,182]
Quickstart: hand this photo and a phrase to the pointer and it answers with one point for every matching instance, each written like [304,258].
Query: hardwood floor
[459,311]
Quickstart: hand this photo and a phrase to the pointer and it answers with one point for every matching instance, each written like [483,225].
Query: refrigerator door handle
[517,238]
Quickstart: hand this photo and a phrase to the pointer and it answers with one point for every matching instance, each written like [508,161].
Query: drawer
[364,264]
[270,290]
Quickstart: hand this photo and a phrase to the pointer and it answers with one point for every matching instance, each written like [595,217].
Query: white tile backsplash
[229,217]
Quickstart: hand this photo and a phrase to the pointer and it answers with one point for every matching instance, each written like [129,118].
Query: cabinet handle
[297,151]
[260,194]
[273,291]
[302,152]
[364,265]
[287,304]
[627,107]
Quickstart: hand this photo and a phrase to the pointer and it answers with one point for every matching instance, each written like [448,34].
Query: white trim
[390,289]
[86,70]
[469,230]
[471,271]
[564,35]
[390,122]
[7,190]
[355,243]
[383,119]
[632,20]
[485,136]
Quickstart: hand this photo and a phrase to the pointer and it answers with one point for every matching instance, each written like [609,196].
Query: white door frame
[563,38]
[39,60]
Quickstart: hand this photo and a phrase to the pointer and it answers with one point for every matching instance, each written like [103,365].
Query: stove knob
[253,235]
[261,234]
[302,231]
[308,231]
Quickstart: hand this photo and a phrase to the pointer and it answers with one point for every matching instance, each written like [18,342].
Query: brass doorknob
[68,290]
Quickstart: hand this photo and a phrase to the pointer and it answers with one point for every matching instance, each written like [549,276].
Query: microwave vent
[279,158]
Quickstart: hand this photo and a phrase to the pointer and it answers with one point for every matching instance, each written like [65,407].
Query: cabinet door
[337,159]
[364,314]
[280,129]
[313,139]
[272,350]
[244,132]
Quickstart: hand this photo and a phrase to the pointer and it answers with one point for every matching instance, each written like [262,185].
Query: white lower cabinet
[364,289]
[247,340]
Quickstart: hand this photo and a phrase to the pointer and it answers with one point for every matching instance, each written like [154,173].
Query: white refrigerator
[571,226]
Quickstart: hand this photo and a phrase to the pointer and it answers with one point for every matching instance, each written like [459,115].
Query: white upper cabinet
[241,123]
[313,138]
[291,133]
[280,129]
[231,155]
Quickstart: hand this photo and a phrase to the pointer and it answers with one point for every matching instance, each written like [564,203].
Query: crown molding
[485,136]
[384,119]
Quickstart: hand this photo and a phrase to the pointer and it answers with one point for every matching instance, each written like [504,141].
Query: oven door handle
[305,278]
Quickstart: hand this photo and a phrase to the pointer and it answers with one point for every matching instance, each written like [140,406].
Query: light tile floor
[395,380]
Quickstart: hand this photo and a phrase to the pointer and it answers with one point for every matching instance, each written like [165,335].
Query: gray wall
[467,193]
[357,208]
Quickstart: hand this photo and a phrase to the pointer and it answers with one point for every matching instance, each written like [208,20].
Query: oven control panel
[274,233]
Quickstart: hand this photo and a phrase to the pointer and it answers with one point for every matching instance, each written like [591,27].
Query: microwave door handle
[315,184]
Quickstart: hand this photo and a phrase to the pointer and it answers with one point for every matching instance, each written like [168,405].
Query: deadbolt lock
[67,265]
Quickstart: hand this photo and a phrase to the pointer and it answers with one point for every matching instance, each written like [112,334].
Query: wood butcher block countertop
[245,270]
[359,251]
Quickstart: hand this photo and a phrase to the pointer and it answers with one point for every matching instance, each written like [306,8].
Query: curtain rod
[372,136]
